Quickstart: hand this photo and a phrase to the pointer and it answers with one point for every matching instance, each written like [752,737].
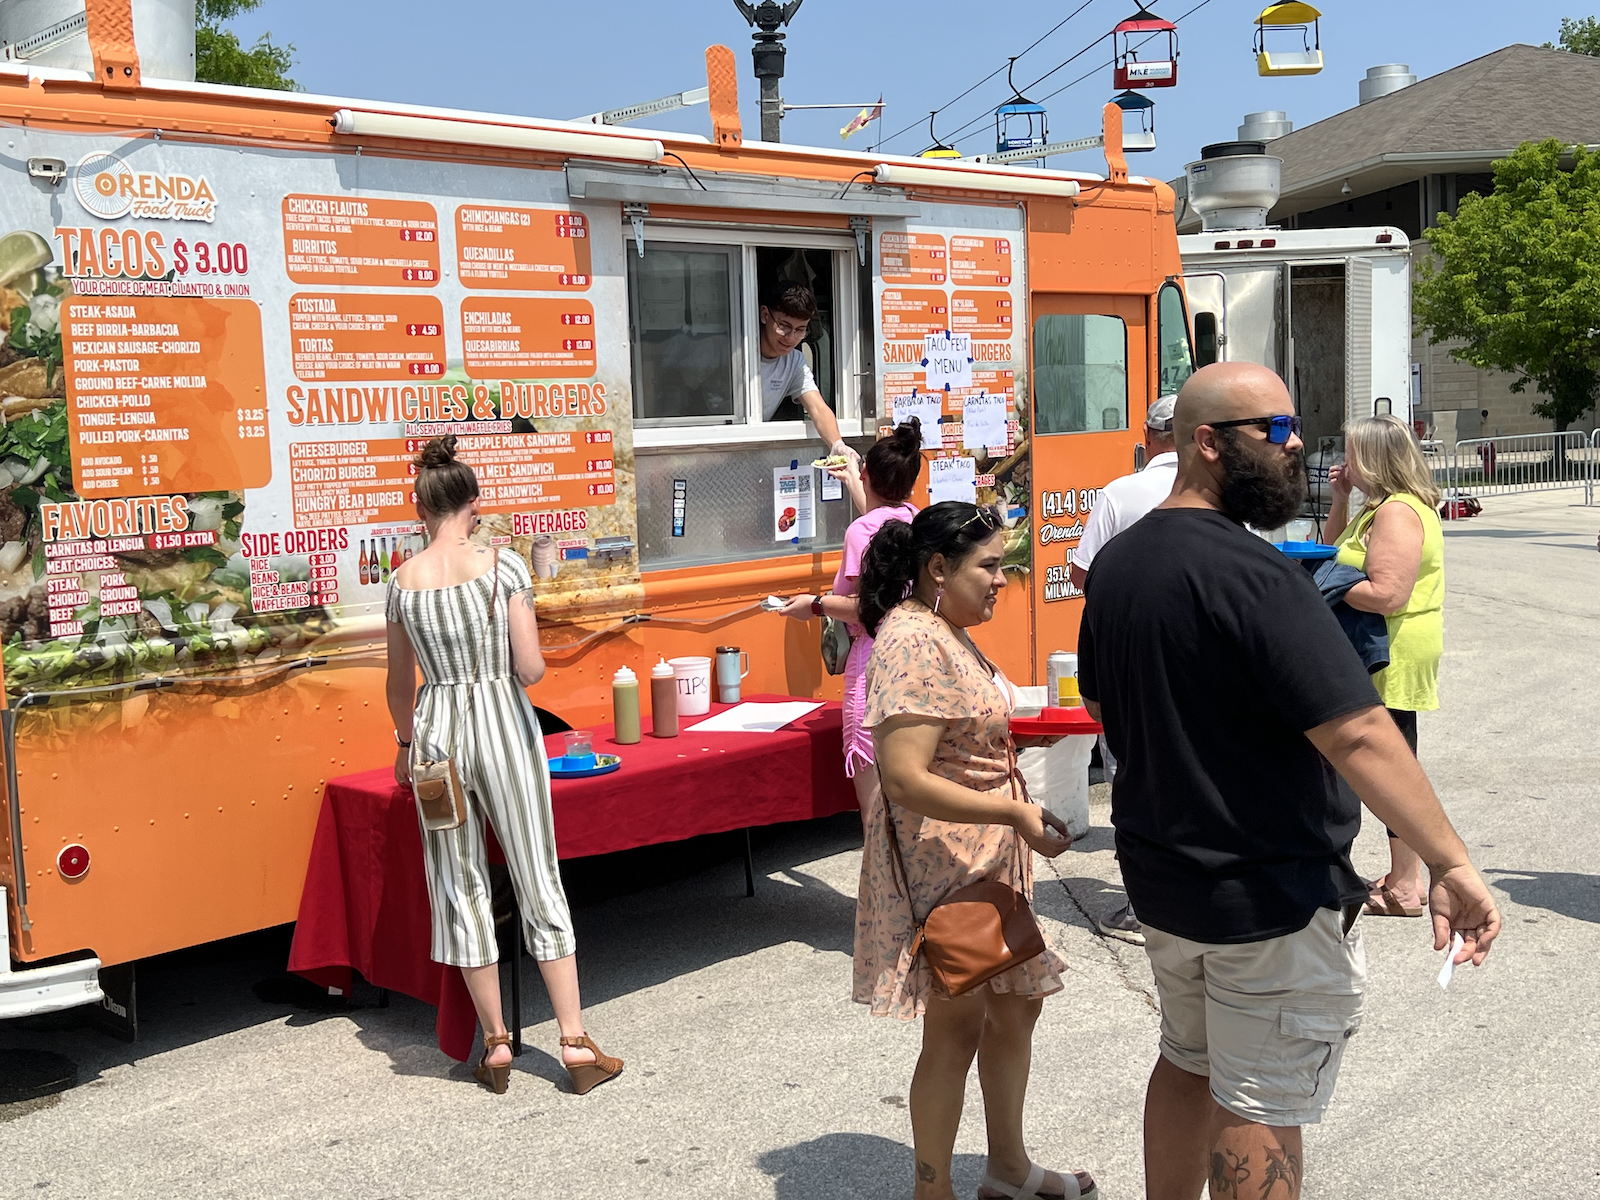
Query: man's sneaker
[1122,925]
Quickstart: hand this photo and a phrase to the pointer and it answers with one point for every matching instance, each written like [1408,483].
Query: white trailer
[1328,309]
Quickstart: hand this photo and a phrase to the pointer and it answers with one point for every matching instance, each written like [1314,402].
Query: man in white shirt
[1122,502]
[785,374]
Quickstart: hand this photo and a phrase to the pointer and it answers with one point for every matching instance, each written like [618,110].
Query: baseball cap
[1160,414]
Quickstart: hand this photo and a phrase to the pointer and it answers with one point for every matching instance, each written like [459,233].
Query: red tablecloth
[365,903]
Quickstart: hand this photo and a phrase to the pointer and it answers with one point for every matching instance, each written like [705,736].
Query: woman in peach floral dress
[939,713]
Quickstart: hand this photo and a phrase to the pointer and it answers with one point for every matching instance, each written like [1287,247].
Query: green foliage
[1517,277]
[1579,35]
[219,56]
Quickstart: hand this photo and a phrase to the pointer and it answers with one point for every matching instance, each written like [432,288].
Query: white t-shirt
[1122,502]
[784,377]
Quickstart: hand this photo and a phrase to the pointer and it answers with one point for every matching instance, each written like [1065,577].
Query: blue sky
[563,60]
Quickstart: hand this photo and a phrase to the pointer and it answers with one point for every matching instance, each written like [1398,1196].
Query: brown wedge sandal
[496,1079]
[588,1076]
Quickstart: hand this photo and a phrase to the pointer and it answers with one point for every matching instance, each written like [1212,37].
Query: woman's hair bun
[440,452]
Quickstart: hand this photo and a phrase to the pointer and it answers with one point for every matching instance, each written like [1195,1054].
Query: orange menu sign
[360,242]
[371,480]
[907,314]
[531,249]
[985,261]
[982,314]
[344,337]
[912,257]
[165,394]
[510,336]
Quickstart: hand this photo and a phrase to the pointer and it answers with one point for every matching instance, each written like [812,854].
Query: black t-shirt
[1211,654]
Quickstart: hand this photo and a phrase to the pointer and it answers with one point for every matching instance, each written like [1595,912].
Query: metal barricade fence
[1532,462]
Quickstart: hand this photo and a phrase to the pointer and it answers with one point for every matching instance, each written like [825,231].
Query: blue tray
[1307,549]
[604,764]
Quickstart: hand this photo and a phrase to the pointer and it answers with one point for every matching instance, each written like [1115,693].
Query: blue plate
[604,764]
[1307,549]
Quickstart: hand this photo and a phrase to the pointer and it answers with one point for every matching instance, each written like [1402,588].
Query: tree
[1579,35]
[1517,277]
[219,57]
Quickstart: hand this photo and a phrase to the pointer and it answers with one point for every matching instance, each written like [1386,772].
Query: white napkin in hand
[1447,972]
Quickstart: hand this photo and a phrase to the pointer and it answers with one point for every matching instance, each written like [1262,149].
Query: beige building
[1410,150]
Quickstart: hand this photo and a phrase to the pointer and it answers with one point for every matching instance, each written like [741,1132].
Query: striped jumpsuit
[501,760]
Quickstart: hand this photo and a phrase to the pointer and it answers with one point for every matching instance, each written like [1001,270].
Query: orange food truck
[230,318]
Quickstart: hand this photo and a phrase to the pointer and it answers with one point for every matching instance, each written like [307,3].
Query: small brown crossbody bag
[441,800]
[977,931]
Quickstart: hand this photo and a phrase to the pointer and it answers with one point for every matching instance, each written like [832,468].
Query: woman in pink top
[887,479]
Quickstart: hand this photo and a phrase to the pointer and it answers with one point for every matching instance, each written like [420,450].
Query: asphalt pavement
[751,1074]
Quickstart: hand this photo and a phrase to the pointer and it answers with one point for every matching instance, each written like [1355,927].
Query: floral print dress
[919,667]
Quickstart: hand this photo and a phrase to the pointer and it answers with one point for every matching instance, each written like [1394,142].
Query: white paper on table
[953,479]
[927,408]
[1447,972]
[984,423]
[752,717]
[794,514]
[947,360]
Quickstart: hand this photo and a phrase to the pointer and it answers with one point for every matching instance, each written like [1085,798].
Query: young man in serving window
[785,375]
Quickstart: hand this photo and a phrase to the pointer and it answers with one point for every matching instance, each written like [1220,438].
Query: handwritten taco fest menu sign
[213,408]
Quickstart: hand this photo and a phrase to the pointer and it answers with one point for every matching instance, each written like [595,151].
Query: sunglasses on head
[1279,429]
[987,517]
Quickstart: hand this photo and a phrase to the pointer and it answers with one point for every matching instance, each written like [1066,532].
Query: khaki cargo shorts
[1266,1021]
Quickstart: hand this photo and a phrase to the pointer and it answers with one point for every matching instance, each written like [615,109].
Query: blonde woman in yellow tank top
[1396,539]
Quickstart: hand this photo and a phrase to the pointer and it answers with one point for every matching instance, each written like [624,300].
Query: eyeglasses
[1279,429]
[987,516]
[787,331]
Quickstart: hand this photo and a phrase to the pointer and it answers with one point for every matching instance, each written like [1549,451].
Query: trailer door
[1090,392]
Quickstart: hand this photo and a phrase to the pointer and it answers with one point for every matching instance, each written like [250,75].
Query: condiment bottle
[625,705]
[663,701]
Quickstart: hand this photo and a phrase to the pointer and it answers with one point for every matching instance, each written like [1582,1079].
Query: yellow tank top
[1416,632]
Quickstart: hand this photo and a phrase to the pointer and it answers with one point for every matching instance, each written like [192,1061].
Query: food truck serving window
[1080,373]
[688,353]
[1177,359]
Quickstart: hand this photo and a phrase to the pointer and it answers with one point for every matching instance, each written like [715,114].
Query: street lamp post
[768,53]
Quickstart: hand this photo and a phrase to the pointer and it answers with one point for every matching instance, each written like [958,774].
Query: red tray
[1057,722]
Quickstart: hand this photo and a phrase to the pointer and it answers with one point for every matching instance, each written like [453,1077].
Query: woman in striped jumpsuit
[476,658]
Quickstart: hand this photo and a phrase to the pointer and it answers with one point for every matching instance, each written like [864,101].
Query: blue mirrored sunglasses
[1279,429]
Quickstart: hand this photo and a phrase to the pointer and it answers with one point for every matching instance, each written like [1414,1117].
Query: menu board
[219,365]
[911,313]
[499,246]
[516,336]
[343,337]
[912,257]
[164,394]
[982,314]
[360,241]
[950,341]
[985,261]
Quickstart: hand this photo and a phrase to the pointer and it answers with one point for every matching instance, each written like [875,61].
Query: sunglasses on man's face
[1279,429]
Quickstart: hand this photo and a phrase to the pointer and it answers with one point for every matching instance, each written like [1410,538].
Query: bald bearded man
[1226,688]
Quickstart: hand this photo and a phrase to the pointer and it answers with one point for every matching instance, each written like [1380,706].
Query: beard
[1261,489]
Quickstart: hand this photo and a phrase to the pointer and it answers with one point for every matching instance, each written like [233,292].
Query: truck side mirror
[1205,339]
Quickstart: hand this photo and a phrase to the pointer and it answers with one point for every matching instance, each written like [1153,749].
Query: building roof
[1459,120]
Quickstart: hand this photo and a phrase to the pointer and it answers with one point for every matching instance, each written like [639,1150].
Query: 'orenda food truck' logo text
[109,188]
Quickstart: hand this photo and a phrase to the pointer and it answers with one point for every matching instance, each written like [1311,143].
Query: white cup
[693,677]
[546,557]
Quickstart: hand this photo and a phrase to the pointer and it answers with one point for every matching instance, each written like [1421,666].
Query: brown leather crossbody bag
[441,800]
[977,931]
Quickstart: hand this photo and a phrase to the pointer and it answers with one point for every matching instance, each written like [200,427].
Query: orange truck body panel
[199,806]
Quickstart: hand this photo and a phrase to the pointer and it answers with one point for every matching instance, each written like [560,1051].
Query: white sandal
[1030,1186]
